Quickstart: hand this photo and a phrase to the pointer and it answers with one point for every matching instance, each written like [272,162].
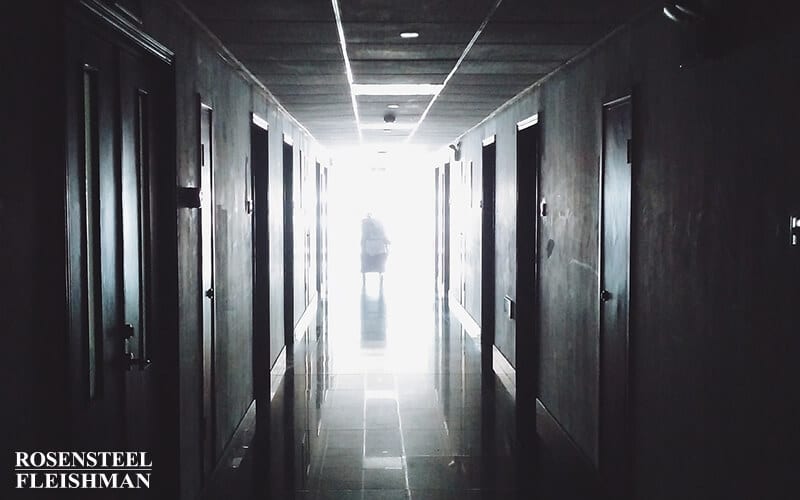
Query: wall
[713,345]
[33,238]
[32,306]
[200,70]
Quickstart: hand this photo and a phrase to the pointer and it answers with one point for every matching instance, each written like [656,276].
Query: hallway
[385,399]
[586,215]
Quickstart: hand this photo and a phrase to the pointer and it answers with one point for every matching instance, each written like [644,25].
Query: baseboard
[560,443]
[305,319]
[505,372]
[471,326]
[277,373]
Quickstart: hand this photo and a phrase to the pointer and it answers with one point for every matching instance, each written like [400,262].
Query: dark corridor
[583,283]
[374,405]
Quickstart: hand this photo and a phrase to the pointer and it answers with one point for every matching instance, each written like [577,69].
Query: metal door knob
[605,296]
[210,293]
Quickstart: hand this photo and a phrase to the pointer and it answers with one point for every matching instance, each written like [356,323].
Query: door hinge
[629,153]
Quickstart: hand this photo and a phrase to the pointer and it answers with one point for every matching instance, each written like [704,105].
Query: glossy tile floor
[384,398]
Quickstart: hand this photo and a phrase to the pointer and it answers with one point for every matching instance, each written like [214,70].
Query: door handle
[210,293]
[605,296]
[129,359]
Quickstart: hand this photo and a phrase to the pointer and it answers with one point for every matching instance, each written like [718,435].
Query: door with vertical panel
[114,103]
[288,241]
[95,278]
[445,269]
[488,271]
[320,224]
[206,161]
[259,160]
[525,311]
[437,242]
[615,229]
[139,104]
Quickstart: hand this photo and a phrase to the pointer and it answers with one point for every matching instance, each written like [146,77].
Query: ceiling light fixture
[393,106]
[409,34]
[396,88]
[348,68]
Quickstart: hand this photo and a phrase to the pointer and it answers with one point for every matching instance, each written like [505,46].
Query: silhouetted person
[374,246]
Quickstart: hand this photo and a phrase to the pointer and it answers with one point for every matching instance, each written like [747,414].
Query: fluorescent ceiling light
[383,463]
[387,126]
[393,106]
[396,89]
[409,34]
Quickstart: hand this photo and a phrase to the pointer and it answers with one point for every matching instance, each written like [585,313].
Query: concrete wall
[33,250]
[713,346]
[200,70]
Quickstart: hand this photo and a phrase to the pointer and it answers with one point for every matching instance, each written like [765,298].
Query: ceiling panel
[309,52]
[429,33]
[375,108]
[301,68]
[467,11]
[263,10]
[401,78]
[399,50]
[294,49]
[406,67]
[248,31]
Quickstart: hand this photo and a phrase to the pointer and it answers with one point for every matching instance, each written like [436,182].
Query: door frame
[618,479]
[207,341]
[446,231]
[318,174]
[95,19]
[488,248]
[288,239]
[525,308]
[259,185]
[437,228]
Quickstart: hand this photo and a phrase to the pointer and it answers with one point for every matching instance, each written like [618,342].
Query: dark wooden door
[525,311]
[615,228]
[259,158]
[288,243]
[93,236]
[206,161]
[488,272]
[437,242]
[115,98]
[139,106]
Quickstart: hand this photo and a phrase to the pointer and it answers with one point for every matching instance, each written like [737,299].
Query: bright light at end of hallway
[395,189]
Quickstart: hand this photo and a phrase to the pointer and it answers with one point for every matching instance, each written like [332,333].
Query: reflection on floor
[384,398]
